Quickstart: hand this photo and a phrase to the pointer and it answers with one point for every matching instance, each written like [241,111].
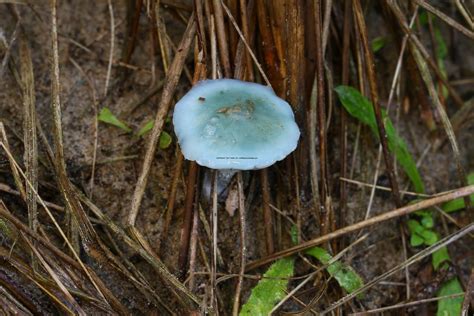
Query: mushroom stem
[224,177]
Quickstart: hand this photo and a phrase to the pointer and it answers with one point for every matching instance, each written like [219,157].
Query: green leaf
[378,43]
[429,236]
[414,226]
[294,234]
[146,128]
[455,205]
[450,306]
[361,108]
[458,204]
[416,240]
[149,126]
[441,54]
[441,49]
[165,140]
[399,148]
[270,289]
[320,254]
[440,256]
[423,17]
[106,116]
[427,221]
[347,278]
[420,234]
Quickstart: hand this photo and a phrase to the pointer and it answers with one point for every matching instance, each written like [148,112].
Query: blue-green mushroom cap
[233,124]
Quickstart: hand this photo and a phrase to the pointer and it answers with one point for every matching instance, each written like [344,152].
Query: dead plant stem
[461,192]
[359,17]
[164,105]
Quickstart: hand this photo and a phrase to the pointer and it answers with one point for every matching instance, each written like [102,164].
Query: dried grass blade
[55,277]
[312,146]
[16,176]
[165,48]
[8,49]
[425,74]
[326,23]
[468,295]
[222,37]
[320,126]
[343,117]
[154,261]
[134,9]
[421,55]
[244,13]
[171,198]
[465,13]
[103,291]
[295,57]
[277,14]
[15,1]
[80,224]
[112,44]
[424,52]
[445,18]
[189,203]
[242,37]
[243,248]
[58,254]
[29,130]
[23,269]
[415,258]
[164,105]
[461,192]
[243,69]
[360,21]
[268,49]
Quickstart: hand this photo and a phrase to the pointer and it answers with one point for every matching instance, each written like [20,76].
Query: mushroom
[233,124]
